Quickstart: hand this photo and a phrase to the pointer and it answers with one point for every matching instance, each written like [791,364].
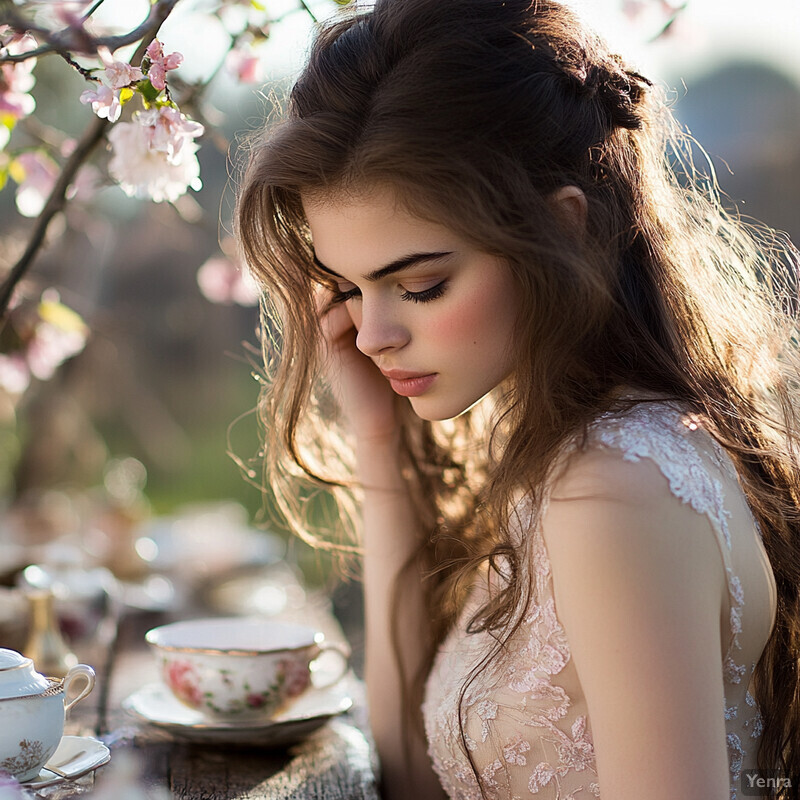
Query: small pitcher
[32,713]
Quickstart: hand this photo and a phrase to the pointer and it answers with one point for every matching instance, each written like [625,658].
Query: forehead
[359,232]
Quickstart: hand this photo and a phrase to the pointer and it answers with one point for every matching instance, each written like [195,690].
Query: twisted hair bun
[618,89]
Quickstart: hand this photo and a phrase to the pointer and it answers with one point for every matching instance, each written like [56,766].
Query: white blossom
[154,155]
[36,175]
[105,102]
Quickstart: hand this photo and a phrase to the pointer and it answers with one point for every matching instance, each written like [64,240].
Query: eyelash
[425,296]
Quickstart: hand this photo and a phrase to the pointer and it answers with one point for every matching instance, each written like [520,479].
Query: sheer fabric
[525,720]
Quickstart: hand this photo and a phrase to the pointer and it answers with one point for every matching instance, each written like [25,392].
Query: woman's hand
[364,394]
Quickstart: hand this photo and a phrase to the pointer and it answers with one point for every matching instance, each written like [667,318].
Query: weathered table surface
[336,761]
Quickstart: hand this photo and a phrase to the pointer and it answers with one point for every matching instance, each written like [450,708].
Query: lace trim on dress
[521,727]
[636,434]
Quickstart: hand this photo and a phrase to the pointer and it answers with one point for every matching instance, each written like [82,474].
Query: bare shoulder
[639,586]
[620,515]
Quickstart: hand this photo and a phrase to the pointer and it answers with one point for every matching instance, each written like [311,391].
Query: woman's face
[433,313]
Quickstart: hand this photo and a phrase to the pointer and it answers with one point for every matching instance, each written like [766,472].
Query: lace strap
[663,433]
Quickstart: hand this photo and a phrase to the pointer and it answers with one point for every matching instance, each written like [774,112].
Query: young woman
[514,334]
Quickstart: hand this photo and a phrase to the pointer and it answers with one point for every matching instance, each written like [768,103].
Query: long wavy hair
[474,111]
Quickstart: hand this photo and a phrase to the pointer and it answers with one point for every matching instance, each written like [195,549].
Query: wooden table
[336,762]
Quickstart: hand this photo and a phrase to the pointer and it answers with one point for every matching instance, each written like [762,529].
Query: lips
[402,375]
[409,384]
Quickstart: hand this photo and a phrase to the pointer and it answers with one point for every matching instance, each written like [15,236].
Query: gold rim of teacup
[215,651]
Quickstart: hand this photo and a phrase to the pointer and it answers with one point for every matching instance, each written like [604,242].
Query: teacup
[236,668]
[32,712]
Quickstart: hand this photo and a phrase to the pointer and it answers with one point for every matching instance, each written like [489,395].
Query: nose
[379,331]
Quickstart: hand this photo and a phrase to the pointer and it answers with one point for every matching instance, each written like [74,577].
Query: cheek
[465,323]
[354,310]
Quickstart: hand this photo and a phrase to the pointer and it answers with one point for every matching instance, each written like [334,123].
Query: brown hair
[474,111]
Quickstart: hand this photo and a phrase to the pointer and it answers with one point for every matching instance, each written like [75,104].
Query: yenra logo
[755,781]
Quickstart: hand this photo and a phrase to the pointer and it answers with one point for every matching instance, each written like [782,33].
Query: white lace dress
[526,721]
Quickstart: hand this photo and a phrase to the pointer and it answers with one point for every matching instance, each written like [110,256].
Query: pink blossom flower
[86,183]
[119,74]
[36,175]
[50,347]
[154,156]
[60,334]
[16,79]
[47,337]
[633,9]
[222,281]
[68,146]
[169,130]
[161,64]
[15,377]
[70,13]
[245,65]
[182,679]
[105,102]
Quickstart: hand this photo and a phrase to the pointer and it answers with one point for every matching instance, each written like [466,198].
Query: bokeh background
[158,410]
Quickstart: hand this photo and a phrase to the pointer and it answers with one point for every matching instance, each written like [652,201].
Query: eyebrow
[395,266]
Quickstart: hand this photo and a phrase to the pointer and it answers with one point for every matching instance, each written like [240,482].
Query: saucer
[75,756]
[157,706]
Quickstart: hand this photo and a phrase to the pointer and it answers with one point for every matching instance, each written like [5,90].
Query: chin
[439,412]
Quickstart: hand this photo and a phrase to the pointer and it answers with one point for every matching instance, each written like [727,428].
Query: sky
[709,31]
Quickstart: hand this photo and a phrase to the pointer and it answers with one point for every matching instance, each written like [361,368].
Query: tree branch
[69,40]
[304,4]
[93,134]
[55,202]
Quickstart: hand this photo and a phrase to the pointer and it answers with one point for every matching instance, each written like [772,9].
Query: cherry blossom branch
[304,4]
[168,114]
[93,9]
[70,40]
[93,134]
[55,202]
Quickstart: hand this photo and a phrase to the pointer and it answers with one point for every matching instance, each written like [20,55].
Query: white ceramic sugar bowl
[32,711]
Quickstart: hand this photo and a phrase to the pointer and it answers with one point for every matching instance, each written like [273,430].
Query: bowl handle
[78,671]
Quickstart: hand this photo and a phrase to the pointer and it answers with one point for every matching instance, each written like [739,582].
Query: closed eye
[342,297]
[424,296]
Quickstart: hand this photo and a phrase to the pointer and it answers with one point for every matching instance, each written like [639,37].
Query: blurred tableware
[32,712]
[13,557]
[83,596]
[14,618]
[235,668]
[74,756]
[45,645]
[205,541]
[153,593]
[256,590]
[155,705]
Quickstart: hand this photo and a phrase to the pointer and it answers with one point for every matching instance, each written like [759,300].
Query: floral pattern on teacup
[294,676]
[255,700]
[181,677]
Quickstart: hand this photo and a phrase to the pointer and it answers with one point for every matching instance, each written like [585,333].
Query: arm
[391,535]
[390,538]
[639,584]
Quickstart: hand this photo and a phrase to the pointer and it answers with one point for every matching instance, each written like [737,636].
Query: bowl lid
[17,676]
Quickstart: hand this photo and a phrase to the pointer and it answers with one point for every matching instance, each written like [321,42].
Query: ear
[570,202]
